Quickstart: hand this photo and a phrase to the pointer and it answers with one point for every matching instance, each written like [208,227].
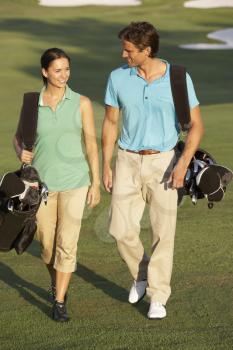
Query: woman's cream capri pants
[58,227]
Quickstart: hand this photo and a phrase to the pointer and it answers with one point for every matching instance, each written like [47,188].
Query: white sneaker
[157,310]
[137,291]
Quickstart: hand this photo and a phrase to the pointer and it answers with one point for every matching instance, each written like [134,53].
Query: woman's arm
[23,155]
[88,123]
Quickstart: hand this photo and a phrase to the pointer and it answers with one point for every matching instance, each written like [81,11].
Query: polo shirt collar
[68,93]
[66,96]
[134,70]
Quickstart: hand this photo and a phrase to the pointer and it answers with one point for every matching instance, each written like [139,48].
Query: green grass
[200,308]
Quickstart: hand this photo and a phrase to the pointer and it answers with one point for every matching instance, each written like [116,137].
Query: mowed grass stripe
[200,308]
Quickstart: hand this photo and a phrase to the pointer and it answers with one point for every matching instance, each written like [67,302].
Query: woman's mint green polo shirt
[59,157]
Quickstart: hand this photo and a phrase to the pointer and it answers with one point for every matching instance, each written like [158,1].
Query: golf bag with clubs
[21,191]
[204,178]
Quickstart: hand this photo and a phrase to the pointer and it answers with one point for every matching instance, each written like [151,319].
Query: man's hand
[26,157]
[192,142]
[107,178]
[178,174]
[109,136]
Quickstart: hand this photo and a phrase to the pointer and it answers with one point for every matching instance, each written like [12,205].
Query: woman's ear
[44,73]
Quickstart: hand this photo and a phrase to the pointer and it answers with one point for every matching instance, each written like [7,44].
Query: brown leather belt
[143,152]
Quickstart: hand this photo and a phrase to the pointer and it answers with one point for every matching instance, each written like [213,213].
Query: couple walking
[145,171]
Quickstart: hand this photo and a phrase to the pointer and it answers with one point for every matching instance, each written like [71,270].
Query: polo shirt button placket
[146,92]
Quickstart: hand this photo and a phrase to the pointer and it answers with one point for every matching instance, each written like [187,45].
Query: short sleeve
[193,101]
[111,94]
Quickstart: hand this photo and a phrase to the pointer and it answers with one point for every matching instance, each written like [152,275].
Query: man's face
[133,55]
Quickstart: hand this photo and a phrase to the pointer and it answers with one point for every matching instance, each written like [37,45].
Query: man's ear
[148,51]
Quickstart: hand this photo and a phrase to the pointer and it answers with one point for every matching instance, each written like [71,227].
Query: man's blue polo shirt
[149,118]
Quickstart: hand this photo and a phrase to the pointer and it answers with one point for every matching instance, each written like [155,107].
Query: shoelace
[62,308]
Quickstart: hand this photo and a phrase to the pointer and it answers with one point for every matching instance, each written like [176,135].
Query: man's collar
[133,71]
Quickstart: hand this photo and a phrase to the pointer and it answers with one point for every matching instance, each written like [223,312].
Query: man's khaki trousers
[58,227]
[139,179]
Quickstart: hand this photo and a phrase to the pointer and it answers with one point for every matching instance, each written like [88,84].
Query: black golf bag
[21,193]
[204,178]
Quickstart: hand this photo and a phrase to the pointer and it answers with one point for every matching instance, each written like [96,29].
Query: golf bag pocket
[19,204]
[212,181]
[25,237]
[204,177]
[14,224]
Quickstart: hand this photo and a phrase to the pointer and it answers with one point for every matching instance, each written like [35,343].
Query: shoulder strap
[28,120]
[180,95]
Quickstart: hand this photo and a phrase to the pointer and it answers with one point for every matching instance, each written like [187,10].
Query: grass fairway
[200,310]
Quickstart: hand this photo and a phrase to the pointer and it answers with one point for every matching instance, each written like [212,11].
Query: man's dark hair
[142,35]
[49,56]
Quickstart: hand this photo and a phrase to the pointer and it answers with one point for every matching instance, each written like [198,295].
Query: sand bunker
[207,4]
[69,3]
[224,35]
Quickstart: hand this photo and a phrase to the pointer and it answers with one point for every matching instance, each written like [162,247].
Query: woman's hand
[93,196]
[26,157]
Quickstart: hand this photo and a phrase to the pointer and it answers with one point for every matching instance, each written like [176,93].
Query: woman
[62,117]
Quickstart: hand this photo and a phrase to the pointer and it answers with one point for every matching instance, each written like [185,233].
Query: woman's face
[57,73]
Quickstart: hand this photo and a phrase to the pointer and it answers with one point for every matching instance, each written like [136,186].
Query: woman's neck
[54,92]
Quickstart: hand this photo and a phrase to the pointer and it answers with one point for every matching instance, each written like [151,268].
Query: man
[146,169]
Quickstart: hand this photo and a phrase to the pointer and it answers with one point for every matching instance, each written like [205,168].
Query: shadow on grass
[93,46]
[96,51]
[24,288]
[108,287]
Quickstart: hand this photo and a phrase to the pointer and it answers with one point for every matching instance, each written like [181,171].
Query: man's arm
[109,137]
[192,142]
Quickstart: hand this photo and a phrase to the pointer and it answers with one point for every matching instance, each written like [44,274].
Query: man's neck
[152,68]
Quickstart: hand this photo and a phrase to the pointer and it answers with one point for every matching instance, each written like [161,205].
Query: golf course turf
[200,309]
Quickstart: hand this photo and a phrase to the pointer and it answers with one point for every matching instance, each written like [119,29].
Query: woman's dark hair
[142,35]
[49,56]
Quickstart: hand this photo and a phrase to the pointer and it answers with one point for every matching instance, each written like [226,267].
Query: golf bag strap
[180,95]
[27,125]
